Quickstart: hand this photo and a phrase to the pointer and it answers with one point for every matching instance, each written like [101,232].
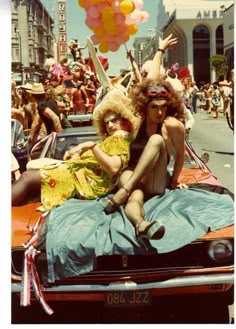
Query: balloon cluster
[113,21]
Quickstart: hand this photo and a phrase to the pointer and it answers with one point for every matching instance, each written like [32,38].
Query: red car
[195,271]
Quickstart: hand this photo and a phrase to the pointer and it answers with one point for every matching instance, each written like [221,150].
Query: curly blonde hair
[140,101]
[118,104]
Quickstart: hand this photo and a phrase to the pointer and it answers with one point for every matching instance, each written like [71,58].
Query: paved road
[216,138]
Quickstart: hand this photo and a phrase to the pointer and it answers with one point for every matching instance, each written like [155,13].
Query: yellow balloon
[107,13]
[126,7]
[81,3]
[103,47]
[132,29]
[94,2]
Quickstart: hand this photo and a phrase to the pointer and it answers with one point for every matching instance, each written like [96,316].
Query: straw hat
[37,89]
[27,86]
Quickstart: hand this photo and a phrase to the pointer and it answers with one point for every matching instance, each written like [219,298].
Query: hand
[167,42]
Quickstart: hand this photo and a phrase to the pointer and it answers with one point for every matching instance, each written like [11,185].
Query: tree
[219,64]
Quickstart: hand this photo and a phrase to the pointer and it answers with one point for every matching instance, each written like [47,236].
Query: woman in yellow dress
[90,170]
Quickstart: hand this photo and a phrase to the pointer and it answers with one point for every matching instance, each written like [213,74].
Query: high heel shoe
[154,231]
[110,205]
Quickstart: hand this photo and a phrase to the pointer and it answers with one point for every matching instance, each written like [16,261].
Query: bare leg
[135,213]
[29,183]
[150,158]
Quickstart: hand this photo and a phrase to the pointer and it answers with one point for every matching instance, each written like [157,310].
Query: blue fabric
[78,231]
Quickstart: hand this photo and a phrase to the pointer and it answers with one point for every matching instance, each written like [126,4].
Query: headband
[158,92]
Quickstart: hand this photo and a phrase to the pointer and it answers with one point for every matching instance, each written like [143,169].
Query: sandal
[154,231]
[111,205]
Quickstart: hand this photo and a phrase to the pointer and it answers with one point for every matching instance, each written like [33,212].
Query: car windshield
[17,133]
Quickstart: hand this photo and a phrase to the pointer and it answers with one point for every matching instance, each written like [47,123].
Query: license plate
[128,298]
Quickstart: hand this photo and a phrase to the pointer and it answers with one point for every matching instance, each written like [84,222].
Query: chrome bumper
[197,280]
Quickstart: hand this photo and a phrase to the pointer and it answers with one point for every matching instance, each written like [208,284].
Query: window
[201,54]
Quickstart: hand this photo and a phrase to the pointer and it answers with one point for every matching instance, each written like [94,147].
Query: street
[216,138]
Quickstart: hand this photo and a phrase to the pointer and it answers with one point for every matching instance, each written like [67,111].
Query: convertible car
[78,254]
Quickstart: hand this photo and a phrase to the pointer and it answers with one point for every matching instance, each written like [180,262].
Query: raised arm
[168,42]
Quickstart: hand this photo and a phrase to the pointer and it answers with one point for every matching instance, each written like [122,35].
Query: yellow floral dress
[83,178]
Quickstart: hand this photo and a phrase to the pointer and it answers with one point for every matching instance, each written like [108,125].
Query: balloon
[145,16]
[95,39]
[103,47]
[98,31]
[119,18]
[113,21]
[116,6]
[107,13]
[113,46]
[93,12]
[138,4]
[126,7]
[132,29]
[81,3]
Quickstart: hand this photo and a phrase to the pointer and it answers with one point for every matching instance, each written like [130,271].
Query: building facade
[198,25]
[32,37]
[228,28]
[62,30]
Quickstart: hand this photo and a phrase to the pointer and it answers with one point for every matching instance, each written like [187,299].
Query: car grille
[193,256]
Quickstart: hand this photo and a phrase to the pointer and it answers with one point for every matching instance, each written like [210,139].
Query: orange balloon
[103,47]
[126,7]
[81,3]
[132,29]
[98,31]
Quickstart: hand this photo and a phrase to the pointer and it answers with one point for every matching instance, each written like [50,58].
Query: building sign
[206,14]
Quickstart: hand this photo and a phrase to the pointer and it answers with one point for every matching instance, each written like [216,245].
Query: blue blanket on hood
[78,231]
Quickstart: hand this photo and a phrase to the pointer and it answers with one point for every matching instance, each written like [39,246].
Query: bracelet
[162,50]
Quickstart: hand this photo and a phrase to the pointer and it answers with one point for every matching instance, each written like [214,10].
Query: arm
[177,134]
[55,119]
[110,164]
[168,42]
[35,127]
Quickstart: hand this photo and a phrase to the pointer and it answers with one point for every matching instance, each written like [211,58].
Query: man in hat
[47,112]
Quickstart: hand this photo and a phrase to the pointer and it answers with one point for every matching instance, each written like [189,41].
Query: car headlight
[220,250]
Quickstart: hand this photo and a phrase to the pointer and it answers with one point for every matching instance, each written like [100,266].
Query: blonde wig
[118,104]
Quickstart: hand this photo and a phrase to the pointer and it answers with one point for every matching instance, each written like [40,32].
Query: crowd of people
[140,133]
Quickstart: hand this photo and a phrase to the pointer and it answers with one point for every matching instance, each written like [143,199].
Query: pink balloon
[134,18]
[93,12]
[96,22]
[145,16]
[101,6]
[121,28]
[95,39]
[119,18]
[113,46]
[120,39]
[138,4]
[89,21]
[115,6]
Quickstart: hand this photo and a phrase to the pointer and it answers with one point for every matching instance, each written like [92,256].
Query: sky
[77,29]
